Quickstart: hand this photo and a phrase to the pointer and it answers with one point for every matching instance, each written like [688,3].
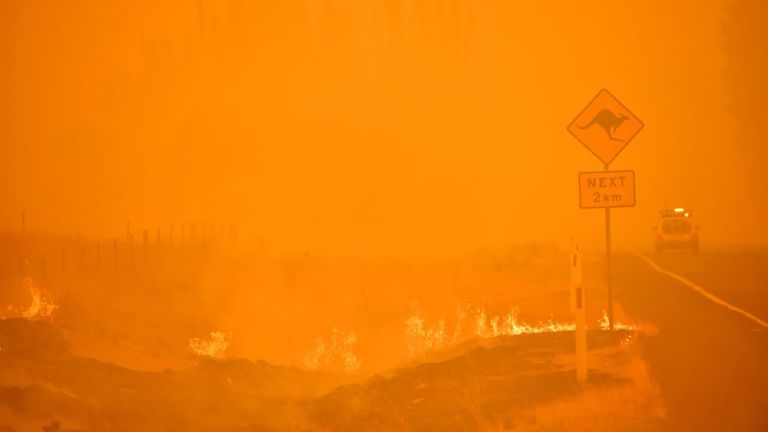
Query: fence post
[129,264]
[145,254]
[98,258]
[81,267]
[114,256]
[42,269]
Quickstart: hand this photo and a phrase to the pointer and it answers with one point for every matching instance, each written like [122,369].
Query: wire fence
[142,253]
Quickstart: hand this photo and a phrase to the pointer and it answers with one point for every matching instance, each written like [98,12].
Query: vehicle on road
[676,231]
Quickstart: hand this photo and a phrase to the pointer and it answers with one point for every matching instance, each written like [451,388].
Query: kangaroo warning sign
[605,126]
[601,189]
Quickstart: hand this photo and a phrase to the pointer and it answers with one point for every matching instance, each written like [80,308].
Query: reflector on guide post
[576,276]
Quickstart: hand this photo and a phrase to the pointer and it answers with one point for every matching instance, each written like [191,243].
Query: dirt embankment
[523,382]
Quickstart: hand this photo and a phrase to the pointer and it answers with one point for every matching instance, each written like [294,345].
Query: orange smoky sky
[374,127]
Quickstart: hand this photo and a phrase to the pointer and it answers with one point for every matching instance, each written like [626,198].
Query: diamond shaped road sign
[605,126]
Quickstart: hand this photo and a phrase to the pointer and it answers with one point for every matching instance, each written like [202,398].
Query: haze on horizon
[377,127]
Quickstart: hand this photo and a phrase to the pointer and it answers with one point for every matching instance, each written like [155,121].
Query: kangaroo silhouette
[607,120]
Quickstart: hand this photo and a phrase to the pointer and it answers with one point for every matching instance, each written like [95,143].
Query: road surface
[711,362]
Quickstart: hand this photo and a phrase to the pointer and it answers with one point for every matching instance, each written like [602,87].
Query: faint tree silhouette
[744,37]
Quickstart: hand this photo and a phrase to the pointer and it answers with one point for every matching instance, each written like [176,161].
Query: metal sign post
[608,281]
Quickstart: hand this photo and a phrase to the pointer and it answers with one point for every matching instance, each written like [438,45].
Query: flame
[421,337]
[215,346]
[41,306]
[337,350]
[605,325]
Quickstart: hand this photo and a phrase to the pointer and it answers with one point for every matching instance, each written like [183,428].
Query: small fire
[337,350]
[214,346]
[41,306]
[605,324]
[470,322]
[421,338]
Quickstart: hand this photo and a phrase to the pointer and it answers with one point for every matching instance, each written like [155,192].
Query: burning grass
[41,304]
[605,324]
[333,352]
[215,345]
[514,382]
[469,367]
[422,336]
[522,381]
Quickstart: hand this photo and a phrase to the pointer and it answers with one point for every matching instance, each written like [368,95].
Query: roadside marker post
[576,274]
[605,127]
[577,306]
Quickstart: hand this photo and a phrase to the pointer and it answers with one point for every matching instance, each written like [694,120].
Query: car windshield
[676,226]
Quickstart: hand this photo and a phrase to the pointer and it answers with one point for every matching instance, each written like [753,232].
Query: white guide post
[577,306]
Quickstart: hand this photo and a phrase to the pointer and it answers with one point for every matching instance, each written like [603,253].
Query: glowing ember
[215,346]
[421,337]
[605,325]
[338,350]
[41,305]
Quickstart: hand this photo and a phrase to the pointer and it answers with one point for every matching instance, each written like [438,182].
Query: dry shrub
[633,406]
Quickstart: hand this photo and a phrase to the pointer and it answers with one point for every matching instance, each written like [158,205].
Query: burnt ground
[492,384]
[489,384]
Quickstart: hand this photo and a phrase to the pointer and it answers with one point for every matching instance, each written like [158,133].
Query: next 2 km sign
[601,189]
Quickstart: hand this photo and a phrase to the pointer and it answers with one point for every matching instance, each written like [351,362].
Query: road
[710,362]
